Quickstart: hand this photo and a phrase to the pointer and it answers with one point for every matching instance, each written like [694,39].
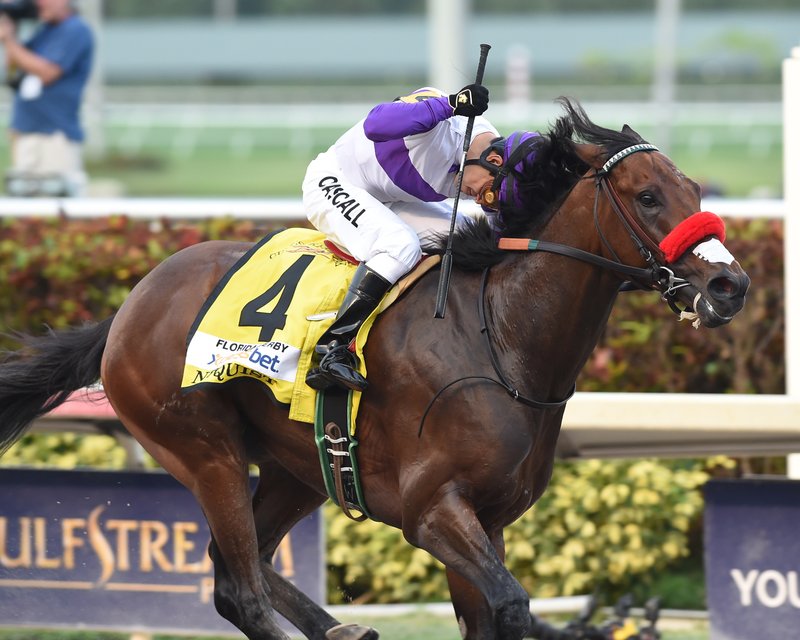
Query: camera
[19,9]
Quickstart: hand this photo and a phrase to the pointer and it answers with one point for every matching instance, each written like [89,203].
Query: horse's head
[648,213]
[647,224]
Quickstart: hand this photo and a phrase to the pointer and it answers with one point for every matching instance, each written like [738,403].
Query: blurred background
[233,97]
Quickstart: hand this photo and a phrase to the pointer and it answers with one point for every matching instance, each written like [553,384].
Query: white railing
[153,208]
[283,209]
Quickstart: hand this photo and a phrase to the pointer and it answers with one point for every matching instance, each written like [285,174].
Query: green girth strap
[337,451]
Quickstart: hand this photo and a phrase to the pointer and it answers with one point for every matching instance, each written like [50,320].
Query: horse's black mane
[545,183]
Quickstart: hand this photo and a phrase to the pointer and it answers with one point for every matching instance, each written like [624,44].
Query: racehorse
[458,427]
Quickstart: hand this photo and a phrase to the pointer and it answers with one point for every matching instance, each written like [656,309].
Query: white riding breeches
[366,228]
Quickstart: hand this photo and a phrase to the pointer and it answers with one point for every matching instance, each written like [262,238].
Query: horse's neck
[550,310]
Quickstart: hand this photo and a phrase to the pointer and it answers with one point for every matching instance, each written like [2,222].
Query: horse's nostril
[725,288]
[721,287]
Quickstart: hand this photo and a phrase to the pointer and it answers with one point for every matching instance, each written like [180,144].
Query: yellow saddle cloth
[268,312]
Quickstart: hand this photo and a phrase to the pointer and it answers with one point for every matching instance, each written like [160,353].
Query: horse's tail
[44,372]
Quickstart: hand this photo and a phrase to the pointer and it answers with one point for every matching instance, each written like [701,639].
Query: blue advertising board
[120,551]
[752,558]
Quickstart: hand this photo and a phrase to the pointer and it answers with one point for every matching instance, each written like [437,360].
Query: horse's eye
[647,199]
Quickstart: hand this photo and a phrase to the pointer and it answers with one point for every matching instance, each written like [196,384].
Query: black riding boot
[338,365]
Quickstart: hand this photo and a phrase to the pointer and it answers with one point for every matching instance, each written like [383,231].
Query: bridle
[656,275]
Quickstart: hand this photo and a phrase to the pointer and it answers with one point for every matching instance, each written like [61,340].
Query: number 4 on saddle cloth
[265,316]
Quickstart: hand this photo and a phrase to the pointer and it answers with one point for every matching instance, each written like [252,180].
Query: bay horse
[490,381]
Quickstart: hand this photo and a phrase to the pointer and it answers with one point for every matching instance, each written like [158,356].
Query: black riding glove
[472,100]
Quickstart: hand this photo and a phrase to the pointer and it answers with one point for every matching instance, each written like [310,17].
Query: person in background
[54,67]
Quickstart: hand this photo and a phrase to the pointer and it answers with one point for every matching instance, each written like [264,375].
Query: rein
[501,380]
[524,244]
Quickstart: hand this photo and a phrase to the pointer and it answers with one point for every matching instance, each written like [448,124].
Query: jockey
[380,188]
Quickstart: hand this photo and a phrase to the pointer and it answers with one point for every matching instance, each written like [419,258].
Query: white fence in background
[278,209]
[282,209]
[244,129]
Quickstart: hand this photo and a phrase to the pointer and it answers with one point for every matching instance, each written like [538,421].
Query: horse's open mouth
[701,311]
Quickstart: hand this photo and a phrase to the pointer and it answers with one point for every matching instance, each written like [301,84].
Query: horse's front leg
[475,617]
[489,602]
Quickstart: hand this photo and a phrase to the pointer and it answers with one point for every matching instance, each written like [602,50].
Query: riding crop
[447,258]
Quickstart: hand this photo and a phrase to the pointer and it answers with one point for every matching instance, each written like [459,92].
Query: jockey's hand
[472,100]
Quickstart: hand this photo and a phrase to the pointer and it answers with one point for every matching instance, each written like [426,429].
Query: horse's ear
[591,154]
[630,132]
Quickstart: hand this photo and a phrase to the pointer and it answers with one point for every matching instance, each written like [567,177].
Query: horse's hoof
[351,632]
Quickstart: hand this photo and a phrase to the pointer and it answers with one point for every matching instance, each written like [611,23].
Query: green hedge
[606,525]
[61,273]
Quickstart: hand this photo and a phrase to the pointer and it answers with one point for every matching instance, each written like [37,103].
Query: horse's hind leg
[197,439]
[279,503]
